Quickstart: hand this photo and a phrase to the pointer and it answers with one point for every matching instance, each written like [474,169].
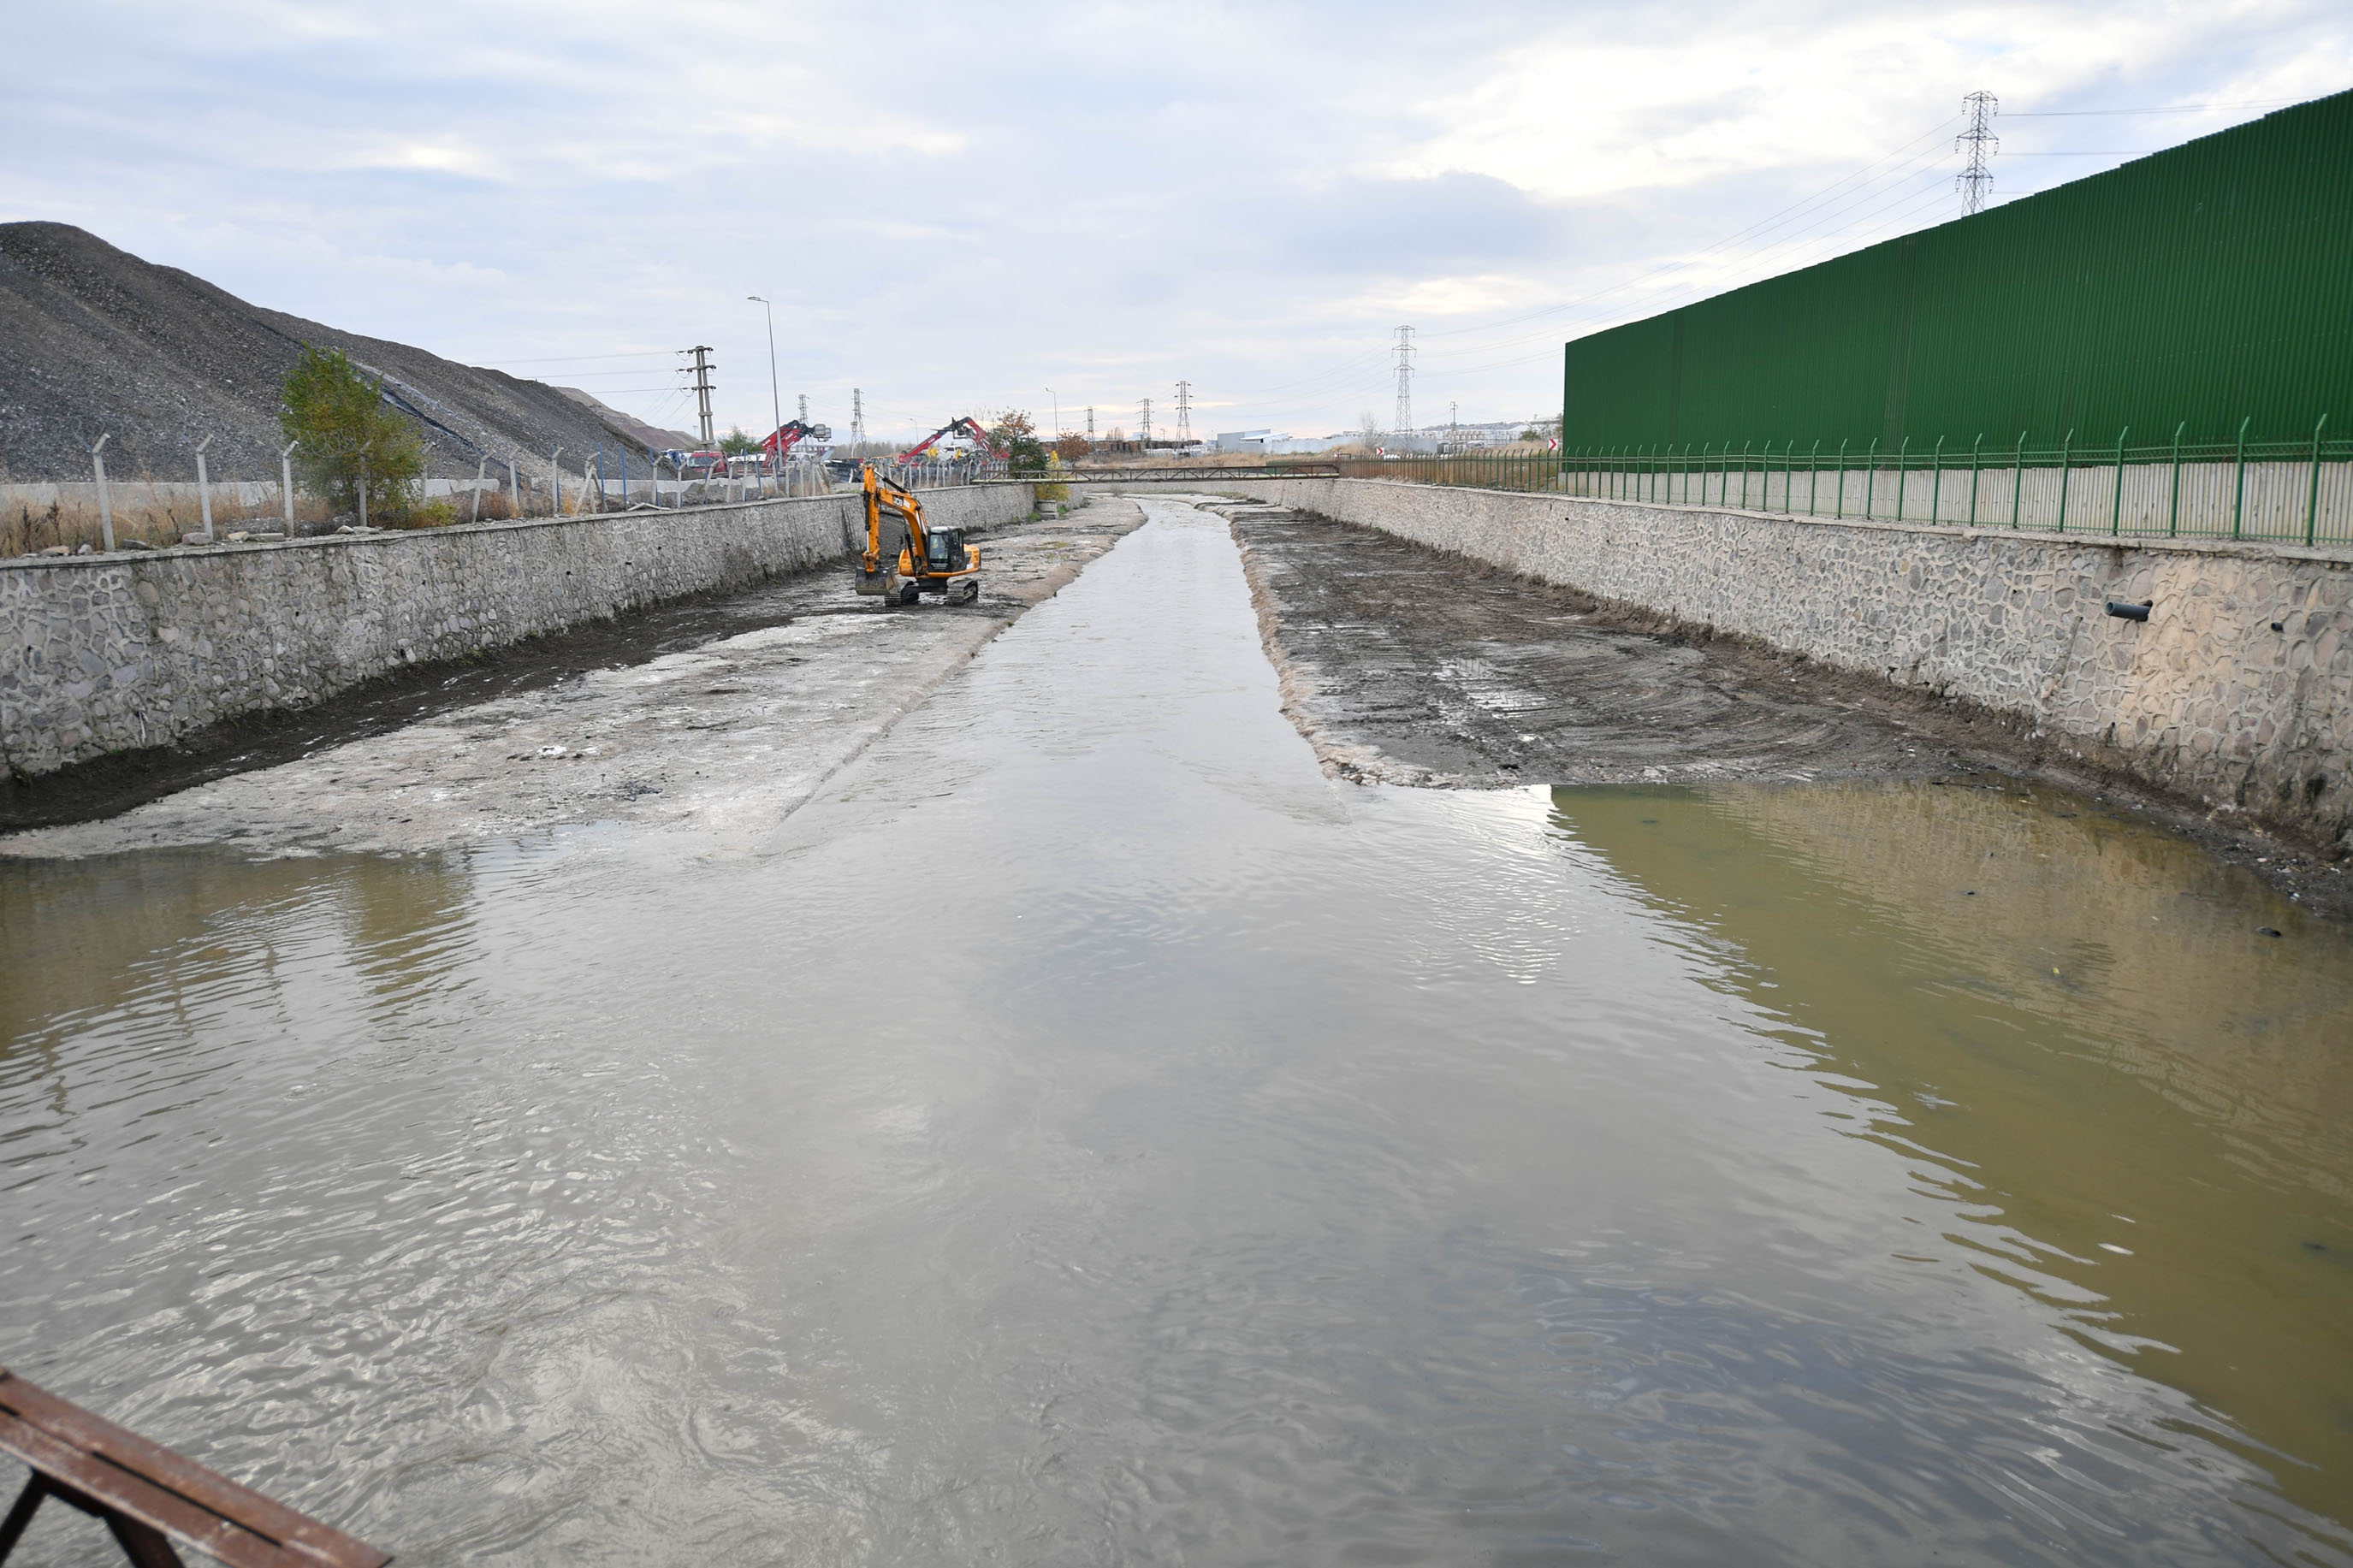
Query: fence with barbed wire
[107,512]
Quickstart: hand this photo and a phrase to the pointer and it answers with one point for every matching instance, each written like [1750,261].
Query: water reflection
[2140,1107]
[1089,1134]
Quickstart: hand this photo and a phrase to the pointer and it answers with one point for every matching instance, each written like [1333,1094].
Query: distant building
[1265,443]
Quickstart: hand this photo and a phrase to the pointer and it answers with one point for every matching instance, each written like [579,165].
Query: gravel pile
[94,340]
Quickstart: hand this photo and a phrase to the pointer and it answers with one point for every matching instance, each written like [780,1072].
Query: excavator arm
[882,496]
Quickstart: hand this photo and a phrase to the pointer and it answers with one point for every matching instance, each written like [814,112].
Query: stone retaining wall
[2238,689]
[101,652]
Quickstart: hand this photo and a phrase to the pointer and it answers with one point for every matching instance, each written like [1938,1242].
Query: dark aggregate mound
[94,340]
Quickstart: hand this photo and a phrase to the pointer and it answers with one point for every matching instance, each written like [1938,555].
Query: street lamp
[775,399]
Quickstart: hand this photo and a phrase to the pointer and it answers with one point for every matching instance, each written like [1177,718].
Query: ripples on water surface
[1087,1134]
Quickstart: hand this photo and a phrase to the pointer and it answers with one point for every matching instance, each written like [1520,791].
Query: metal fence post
[205,490]
[2238,488]
[1903,460]
[1841,479]
[514,483]
[1814,478]
[2066,472]
[2116,514]
[2173,507]
[286,482]
[1871,480]
[2312,503]
[1976,452]
[1744,476]
[2017,478]
[1937,486]
[482,468]
[105,497]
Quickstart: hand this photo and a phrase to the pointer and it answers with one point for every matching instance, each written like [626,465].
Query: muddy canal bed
[1405,666]
[710,715]
[1085,1131]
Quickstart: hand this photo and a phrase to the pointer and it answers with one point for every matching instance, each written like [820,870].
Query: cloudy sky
[963,208]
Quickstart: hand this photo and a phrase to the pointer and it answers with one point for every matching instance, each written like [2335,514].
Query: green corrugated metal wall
[2207,283]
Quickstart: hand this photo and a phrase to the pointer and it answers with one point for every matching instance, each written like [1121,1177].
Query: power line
[576,358]
[2170,108]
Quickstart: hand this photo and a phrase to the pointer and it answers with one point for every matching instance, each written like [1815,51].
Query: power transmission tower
[1184,411]
[1976,182]
[1404,422]
[857,417]
[1091,424]
[1147,424]
[701,352]
[804,407]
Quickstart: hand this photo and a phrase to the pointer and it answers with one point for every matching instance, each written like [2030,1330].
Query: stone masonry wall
[100,653]
[2238,690]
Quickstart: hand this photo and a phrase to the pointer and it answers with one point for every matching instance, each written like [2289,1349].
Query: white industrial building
[1265,443]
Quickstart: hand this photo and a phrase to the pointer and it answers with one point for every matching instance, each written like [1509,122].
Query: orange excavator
[904,559]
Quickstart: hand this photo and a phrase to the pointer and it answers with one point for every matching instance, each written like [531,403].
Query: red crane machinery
[790,434]
[964,426]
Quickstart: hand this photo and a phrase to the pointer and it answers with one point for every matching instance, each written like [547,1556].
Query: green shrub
[348,437]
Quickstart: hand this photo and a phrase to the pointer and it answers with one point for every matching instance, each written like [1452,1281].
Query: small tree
[735,444]
[349,441]
[1073,447]
[1016,435]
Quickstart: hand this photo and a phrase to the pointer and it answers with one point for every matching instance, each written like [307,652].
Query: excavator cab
[944,550]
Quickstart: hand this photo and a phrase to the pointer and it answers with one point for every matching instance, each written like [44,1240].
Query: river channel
[1086,1133]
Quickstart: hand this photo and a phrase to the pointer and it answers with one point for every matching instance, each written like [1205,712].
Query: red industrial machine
[966,426]
[790,434]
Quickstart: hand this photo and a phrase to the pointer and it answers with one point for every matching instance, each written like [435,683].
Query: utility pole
[1976,182]
[1404,421]
[701,352]
[804,414]
[1454,427]
[857,417]
[1145,441]
[1091,424]
[1184,411]
[776,399]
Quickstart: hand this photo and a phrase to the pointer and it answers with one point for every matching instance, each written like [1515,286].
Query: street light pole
[775,399]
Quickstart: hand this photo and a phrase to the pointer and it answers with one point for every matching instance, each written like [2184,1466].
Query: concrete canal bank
[2236,691]
[111,653]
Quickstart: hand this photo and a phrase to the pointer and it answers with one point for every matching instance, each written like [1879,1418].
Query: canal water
[1087,1134]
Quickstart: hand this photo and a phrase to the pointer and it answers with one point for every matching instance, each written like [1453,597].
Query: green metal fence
[2291,492]
[2208,286]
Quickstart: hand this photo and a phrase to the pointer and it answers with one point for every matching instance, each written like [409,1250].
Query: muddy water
[1086,1133]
